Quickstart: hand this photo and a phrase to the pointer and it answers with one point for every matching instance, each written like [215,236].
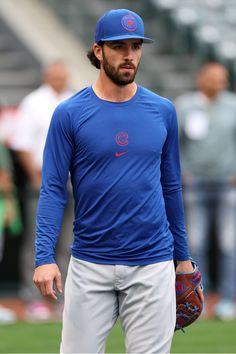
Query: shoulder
[161,106]
[161,103]
[37,99]
[32,98]
[187,98]
[75,102]
[229,98]
[72,107]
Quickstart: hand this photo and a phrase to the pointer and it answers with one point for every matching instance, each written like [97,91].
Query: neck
[109,91]
[57,91]
[211,96]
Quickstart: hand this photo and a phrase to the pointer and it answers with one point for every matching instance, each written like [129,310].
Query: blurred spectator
[33,120]
[207,121]
[7,215]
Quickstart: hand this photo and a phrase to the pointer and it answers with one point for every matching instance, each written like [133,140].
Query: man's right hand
[47,278]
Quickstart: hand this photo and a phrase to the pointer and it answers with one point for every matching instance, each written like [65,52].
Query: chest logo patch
[122,139]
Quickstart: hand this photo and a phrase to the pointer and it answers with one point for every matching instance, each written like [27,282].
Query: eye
[137,45]
[117,46]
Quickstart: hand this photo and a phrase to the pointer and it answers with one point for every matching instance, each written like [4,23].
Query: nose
[128,53]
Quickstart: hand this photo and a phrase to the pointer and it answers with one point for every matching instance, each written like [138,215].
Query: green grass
[206,337]
[202,337]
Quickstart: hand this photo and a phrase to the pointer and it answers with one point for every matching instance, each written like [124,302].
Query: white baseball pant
[142,296]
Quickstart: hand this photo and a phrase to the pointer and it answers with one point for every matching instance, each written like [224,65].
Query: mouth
[128,67]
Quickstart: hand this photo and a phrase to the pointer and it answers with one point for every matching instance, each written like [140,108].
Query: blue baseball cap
[120,24]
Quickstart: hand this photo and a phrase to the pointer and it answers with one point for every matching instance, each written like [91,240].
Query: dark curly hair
[93,59]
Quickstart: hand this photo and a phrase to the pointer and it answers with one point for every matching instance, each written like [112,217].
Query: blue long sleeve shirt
[123,158]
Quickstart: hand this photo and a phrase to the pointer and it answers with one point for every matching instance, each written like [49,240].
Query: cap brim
[123,37]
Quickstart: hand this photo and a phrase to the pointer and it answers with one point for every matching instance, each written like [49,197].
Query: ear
[97,49]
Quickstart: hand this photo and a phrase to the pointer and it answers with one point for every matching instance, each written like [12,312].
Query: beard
[117,77]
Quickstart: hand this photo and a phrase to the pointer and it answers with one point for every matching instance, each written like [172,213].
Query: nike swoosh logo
[119,154]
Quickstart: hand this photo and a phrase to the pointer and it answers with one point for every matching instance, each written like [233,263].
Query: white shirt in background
[33,119]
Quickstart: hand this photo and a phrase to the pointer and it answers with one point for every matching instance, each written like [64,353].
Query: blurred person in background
[7,215]
[207,121]
[33,119]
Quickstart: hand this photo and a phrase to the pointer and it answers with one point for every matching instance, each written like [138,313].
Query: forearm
[175,216]
[26,161]
[48,224]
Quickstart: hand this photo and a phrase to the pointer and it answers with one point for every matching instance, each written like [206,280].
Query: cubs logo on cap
[129,23]
[120,24]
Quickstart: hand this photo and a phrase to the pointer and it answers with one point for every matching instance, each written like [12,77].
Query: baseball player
[119,142]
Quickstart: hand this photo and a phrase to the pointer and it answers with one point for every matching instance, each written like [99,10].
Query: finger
[200,293]
[46,290]
[40,286]
[52,295]
[58,283]
[49,291]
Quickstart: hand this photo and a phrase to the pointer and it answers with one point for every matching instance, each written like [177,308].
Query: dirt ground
[14,304]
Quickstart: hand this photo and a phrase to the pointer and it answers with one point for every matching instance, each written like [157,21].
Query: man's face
[120,60]
[213,80]
[56,76]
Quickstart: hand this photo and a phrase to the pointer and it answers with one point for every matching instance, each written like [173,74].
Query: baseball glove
[188,303]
